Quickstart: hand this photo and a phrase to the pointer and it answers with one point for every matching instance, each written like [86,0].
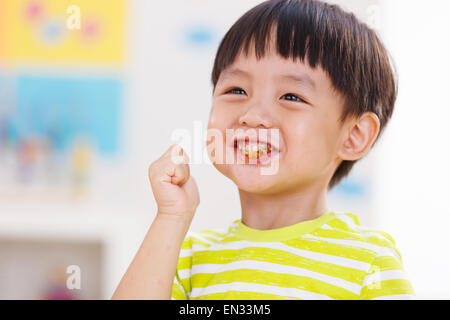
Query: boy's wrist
[175,226]
[179,218]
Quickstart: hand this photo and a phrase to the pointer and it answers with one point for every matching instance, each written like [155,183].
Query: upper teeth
[253,149]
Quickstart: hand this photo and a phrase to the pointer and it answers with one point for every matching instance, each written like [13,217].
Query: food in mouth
[253,151]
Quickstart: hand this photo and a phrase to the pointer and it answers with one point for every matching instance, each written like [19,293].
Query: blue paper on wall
[64,108]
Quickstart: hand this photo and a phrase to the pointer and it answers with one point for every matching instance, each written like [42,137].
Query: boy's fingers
[177,154]
[178,165]
[181,174]
[172,167]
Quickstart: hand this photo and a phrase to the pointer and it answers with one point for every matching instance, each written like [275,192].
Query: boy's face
[305,112]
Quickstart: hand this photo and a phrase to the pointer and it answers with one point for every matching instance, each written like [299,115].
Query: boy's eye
[290,96]
[235,90]
[293,97]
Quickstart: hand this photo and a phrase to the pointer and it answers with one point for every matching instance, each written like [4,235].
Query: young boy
[320,81]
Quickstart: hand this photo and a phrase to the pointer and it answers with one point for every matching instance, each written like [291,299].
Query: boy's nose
[254,118]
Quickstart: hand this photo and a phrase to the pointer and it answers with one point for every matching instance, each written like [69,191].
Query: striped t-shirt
[330,257]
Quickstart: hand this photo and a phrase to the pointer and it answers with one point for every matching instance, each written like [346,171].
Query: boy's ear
[359,136]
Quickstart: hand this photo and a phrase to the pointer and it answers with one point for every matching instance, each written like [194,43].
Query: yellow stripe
[184,263]
[177,292]
[186,283]
[203,280]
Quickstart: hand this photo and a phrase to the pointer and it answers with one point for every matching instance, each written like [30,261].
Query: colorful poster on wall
[62,30]
[53,130]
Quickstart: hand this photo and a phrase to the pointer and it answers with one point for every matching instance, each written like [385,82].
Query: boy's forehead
[272,62]
[301,78]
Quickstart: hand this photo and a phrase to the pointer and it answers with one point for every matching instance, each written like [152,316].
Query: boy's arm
[151,274]
[152,271]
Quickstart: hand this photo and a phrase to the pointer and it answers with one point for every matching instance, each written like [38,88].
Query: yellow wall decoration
[38,31]
[2,31]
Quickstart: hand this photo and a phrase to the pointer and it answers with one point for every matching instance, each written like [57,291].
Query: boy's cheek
[216,122]
[212,117]
[220,114]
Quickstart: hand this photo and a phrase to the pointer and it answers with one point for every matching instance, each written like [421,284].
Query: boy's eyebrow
[299,78]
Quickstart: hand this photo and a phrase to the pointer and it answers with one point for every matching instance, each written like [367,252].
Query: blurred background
[91,92]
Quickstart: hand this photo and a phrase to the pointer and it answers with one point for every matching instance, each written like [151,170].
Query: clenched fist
[175,191]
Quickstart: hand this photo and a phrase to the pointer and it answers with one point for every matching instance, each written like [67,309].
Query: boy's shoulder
[349,226]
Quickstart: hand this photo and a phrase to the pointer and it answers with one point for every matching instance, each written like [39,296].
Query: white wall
[414,170]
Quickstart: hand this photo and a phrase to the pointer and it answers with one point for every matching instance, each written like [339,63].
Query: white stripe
[351,243]
[257,288]
[326,227]
[276,268]
[347,220]
[184,273]
[322,257]
[185,253]
[384,275]
[396,297]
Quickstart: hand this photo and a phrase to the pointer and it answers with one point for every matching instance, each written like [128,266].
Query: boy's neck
[264,212]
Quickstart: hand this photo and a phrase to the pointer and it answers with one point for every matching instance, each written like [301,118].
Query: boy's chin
[249,179]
